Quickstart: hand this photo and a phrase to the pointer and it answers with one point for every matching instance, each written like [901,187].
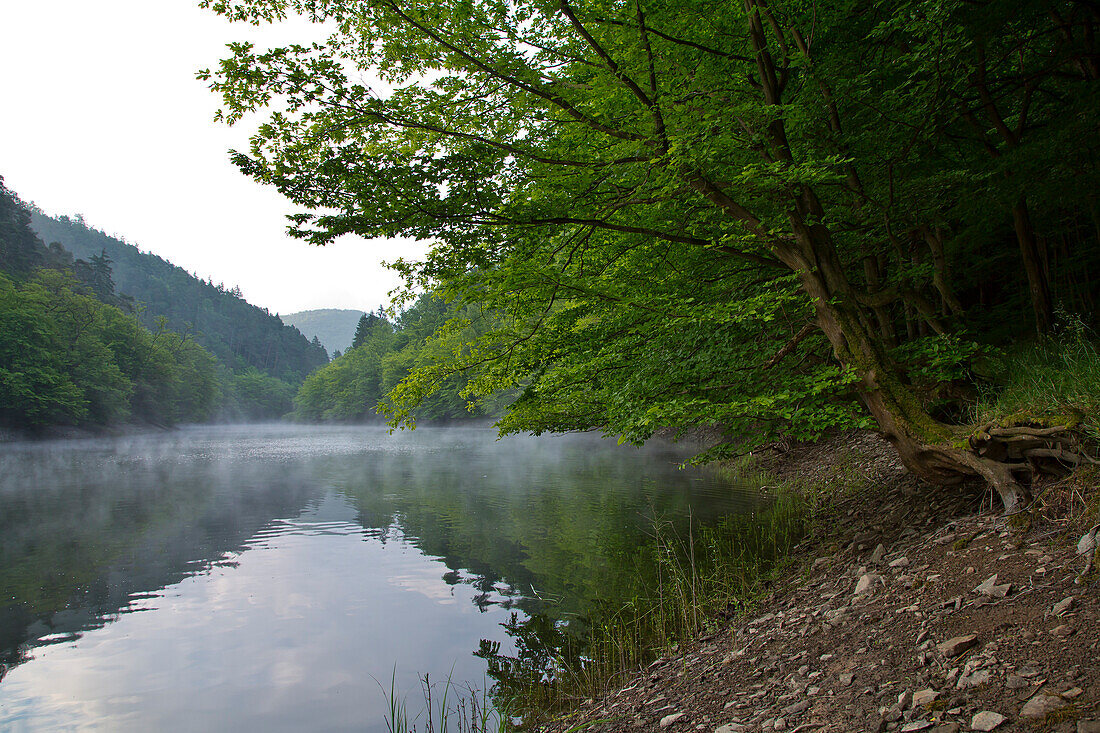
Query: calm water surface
[276,577]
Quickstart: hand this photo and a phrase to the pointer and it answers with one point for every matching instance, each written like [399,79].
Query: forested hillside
[240,334]
[73,353]
[780,217]
[334,327]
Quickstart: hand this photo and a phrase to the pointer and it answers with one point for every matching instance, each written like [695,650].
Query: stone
[1073,693]
[945,728]
[868,583]
[989,588]
[974,679]
[846,678]
[1063,630]
[878,554]
[1062,606]
[986,720]
[1087,544]
[670,719]
[1041,705]
[1088,726]
[900,562]
[916,725]
[796,708]
[730,728]
[924,697]
[1016,682]
[780,724]
[957,645]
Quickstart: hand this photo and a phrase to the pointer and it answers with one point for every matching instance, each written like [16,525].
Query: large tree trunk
[931,450]
[1037,282]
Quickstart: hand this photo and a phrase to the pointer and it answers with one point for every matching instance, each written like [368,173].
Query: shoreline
[869,628]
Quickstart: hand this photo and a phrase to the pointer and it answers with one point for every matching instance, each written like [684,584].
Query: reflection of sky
[298,636]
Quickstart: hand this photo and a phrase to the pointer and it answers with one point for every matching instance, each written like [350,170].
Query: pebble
[1062,606]
[916,725]
[987,720]
[1063,630]
[1042,705]
[1087,544]
[846,678]
[1088,726]
[878,554]
[989,587]
[901,562]
[868,583]
[924,697]
[730,728]
[670,719]
[957,645]
[974,679]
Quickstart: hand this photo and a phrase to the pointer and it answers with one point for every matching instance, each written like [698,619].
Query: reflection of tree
[547,525]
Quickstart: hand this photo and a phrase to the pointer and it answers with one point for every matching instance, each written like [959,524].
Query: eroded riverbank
[890,618]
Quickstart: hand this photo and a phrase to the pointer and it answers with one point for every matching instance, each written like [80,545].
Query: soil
[890,618]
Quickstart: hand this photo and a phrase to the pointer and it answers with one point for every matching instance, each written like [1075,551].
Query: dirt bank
[909,609]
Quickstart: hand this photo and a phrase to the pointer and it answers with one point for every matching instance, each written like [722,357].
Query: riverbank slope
[908,608]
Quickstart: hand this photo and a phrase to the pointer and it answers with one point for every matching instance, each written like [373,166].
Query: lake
[282,577]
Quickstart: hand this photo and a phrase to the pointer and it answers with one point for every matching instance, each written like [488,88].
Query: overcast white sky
[101,115]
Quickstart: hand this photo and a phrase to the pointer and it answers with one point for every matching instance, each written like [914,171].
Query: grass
[698,578]
[448,708]
[1054,378]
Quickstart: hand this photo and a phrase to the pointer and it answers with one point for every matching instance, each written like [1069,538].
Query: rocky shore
[908,609]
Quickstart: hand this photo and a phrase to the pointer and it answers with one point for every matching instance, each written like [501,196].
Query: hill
[239,334]
[333,327]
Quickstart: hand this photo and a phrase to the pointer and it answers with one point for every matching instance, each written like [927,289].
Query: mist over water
[275,577]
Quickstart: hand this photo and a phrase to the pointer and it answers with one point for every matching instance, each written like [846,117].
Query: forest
[777,217]
[81,346]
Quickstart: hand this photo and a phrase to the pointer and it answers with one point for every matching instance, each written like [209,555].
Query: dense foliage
[356,384]
[777,216]
[240,334]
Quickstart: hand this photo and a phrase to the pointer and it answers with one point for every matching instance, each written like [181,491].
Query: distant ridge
[333,327]
[239,334]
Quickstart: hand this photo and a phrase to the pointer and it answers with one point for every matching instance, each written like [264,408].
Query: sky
[101,115]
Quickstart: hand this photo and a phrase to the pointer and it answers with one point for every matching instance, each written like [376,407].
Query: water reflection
[265,578]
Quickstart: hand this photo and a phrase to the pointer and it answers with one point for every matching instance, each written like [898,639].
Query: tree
[666,202]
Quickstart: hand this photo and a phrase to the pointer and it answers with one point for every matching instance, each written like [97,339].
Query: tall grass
[696,578]
[448,708]
[1054,378]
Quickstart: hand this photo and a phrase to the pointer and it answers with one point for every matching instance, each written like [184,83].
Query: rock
[990,588]
[924,697]
[1063,630]
[945,728]
[796,708]
[987,720]
[868,583]
[1016,682]
[846,678]
[974,679]
[670,719]
[955,646]
[901,562]
[1062,606]
[1088,726]
[1042,705]
[916,725]
[780,724]
[1087,544]
[878,554]
[730,728]
[1073,693]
